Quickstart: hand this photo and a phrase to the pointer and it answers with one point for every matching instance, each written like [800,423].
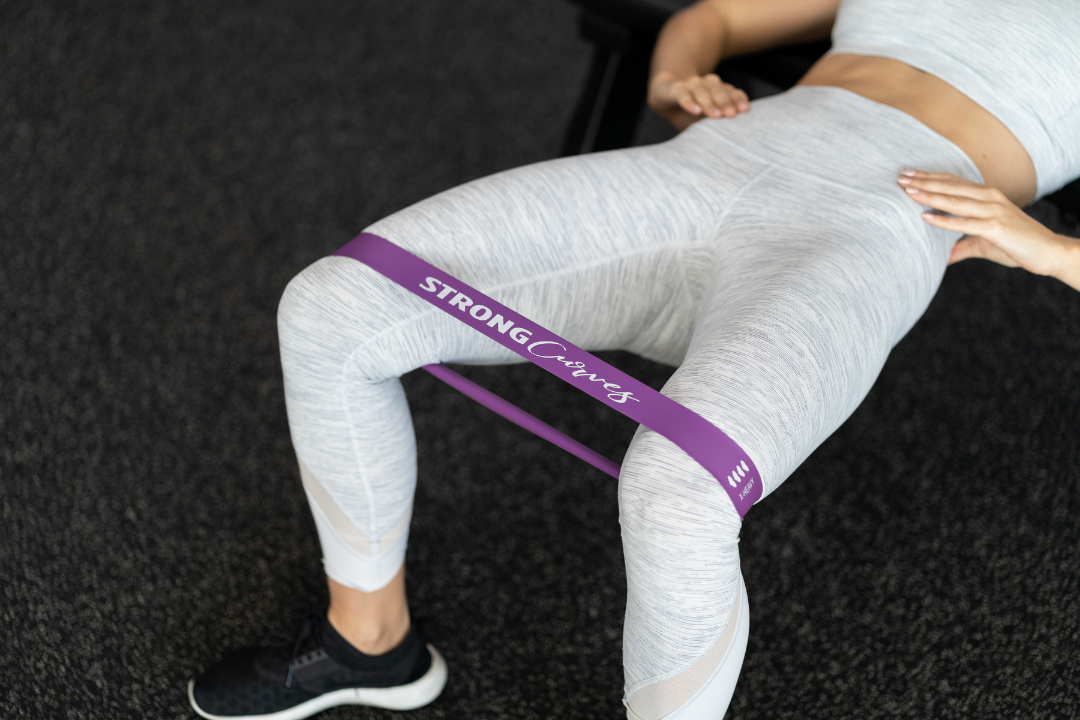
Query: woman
[774,255]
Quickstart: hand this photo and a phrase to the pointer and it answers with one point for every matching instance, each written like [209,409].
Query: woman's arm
[995,228]
[682,86]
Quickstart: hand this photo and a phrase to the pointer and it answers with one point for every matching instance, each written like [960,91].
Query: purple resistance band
[695,435]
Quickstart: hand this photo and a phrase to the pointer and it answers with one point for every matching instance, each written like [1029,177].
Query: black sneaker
[292,679]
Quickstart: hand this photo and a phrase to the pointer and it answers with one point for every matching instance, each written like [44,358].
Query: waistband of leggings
[838,135]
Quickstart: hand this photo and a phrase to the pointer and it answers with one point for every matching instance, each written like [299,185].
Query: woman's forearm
[696,39]
[690,43]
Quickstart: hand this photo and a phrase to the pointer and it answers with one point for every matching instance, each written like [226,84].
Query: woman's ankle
[370,638]
[374,623]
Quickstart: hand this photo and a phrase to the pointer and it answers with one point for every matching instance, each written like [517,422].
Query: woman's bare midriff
[997,153]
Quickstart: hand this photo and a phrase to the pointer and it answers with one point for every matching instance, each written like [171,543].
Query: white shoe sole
[403,697]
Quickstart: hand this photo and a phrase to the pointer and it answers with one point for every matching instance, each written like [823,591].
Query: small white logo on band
[738,474]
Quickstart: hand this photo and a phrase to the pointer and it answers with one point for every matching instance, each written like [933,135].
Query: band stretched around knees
[696,436]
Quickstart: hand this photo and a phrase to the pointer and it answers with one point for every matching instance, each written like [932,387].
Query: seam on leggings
[769,167]
[905,219]
[683,249]
[687,298]
[773,165]
[368,492]
[802,173]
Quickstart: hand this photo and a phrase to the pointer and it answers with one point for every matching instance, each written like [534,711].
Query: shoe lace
[281,640]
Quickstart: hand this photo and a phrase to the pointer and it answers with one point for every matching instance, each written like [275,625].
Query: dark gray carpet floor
[165,168]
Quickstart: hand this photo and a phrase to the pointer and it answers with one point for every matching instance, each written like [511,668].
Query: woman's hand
[994,228]
[682,86]
[684,102]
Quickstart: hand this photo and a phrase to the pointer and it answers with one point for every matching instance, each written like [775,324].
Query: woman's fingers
[947,184]
[684,101]
[922,175]
[704,98]
[979,247]
[965,225]
[727,99]
[740,98]
[718,102]
[950,185]
[955,204]
[710,96]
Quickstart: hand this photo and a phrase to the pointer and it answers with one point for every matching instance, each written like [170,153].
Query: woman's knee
[336,307]
[314,299]
[668,501]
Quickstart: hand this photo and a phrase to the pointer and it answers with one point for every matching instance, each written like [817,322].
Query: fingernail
[909,173]
[905,181]
[911,191]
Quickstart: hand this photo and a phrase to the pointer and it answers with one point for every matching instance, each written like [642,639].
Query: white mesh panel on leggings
[660,699]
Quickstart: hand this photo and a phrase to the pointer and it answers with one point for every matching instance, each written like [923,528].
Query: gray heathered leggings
[771,257]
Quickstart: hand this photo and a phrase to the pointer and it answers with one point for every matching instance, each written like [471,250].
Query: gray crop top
[1019,59]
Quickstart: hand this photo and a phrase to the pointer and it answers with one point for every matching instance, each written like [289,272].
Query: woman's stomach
[1002,160]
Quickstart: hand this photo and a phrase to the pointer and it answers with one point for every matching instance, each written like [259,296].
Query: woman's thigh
[812,284]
